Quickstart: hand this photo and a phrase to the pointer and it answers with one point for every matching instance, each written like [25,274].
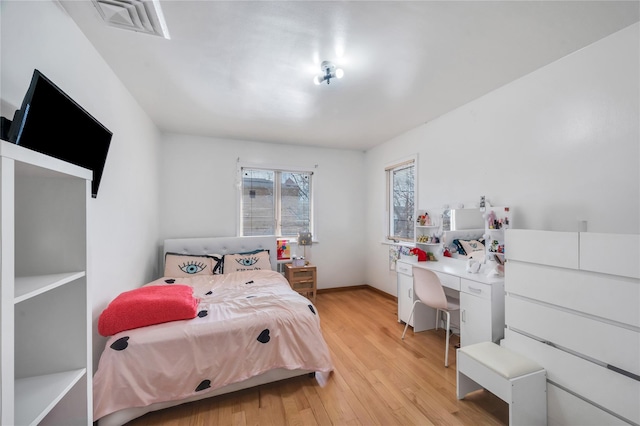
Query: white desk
[481,316]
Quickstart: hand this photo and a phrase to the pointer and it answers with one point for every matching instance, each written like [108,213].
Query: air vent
[144,16]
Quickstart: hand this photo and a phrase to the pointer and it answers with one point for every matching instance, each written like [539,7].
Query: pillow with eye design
[471,246]
[246,262]
[187,265]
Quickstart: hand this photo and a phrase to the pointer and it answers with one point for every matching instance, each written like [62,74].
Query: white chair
[429,290]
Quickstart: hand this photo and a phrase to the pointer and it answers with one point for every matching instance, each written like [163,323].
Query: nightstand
[302,279]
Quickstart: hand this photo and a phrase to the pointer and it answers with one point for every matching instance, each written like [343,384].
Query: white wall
[199,196]
[559,145]
[124,218]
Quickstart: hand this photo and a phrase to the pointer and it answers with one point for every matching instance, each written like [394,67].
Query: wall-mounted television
[52,123]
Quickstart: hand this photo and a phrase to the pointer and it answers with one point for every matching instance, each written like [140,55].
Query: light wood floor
[379,379]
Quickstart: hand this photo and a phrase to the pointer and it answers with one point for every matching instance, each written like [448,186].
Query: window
[275,202]
[401,195]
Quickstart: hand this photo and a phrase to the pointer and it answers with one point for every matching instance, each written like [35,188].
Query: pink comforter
[248,323]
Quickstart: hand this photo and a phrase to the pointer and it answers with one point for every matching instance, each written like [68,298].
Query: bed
[245,327]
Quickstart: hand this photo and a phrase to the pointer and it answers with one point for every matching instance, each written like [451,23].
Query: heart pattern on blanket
[120,344]
[264,336]
[205,384]
[170,281]
[312,310]
[203,314]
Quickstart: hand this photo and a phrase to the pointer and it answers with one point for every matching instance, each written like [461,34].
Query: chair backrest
[429,289]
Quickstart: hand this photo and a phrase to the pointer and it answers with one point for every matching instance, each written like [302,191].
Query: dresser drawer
[450,281]
[476,288]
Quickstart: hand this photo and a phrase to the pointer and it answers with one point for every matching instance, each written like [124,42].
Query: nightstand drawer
[302,274]
[303,285]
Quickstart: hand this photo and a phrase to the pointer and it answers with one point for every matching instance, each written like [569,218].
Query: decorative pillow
[186,265]
[247,262]
[218,262]
[471,246]
[458,246]
[148,305]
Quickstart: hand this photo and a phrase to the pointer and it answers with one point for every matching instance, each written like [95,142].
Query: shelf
[428,244]
[428,226]
[28,287]
[32,163]
[36,396]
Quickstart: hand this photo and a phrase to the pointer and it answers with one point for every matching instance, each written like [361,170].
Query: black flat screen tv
[52,123]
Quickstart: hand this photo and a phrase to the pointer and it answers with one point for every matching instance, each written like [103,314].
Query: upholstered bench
[508,375]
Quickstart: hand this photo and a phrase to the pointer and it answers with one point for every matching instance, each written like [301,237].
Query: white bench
[508,375]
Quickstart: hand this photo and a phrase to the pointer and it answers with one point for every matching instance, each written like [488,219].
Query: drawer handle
[464,315]
[475,290]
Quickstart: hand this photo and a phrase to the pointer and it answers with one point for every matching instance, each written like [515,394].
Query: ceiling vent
[144,16]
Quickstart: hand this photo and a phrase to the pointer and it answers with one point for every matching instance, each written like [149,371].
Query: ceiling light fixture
[329,71]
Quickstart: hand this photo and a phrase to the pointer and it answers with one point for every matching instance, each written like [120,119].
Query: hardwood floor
[379,379]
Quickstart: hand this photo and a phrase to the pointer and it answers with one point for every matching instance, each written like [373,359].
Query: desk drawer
[450,281]
[404,268]
[476,288]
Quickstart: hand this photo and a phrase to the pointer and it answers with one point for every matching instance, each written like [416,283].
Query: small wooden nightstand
[302,279]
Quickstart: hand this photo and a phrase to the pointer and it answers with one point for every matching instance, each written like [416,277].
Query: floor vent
[144,16]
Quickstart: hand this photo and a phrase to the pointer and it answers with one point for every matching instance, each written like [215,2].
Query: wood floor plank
[379,379]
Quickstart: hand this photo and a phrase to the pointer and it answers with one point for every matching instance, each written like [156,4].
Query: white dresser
[481,300]
[573,306]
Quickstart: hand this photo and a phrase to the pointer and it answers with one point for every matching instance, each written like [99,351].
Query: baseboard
[358,287]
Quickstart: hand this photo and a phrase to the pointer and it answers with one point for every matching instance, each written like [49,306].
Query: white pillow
[184,265]
[246,262]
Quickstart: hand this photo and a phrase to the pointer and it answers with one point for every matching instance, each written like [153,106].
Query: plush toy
[422,256]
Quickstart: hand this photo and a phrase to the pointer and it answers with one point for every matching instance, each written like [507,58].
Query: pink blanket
[247,323]
[148,305]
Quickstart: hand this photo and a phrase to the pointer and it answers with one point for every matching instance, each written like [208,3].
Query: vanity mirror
[461,219]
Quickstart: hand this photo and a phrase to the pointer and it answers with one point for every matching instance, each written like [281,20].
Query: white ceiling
[244,69]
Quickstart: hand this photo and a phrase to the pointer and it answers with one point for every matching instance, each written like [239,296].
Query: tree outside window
[401,196]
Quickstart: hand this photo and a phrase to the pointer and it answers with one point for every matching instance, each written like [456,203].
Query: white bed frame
[213,245]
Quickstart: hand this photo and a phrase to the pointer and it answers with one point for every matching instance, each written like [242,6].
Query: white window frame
[277,204]
[389,168]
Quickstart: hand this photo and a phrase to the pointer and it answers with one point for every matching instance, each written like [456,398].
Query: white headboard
[222,245]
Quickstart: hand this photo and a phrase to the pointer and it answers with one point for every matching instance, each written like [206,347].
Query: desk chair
[428,289]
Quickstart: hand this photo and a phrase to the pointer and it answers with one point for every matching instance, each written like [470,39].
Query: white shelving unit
[424,234]
[45,360]
[497,220]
